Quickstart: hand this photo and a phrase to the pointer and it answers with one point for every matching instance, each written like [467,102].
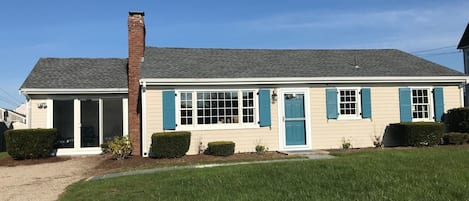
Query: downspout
[144,119]
[462,89]
[28,112]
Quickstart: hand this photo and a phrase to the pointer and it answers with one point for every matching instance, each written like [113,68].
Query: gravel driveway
[43,181]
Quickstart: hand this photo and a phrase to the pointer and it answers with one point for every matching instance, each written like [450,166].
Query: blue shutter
[169,110]
[405,105]
[438,101]
[264,107]
[331,103]
[366,102]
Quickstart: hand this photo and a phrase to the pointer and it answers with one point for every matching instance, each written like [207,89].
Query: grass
[412,174]
[129,165]
[3,155]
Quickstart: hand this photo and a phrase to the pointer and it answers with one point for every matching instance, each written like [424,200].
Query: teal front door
[295,121]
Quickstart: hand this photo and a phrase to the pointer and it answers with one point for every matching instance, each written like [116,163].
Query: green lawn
[3,155]
[439,173]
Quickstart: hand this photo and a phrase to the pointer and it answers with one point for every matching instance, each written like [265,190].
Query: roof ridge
[269,49]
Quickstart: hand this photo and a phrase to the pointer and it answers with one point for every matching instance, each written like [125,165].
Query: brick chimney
[136,45]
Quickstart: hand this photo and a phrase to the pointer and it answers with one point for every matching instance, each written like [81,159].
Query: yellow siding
[154,116]
[452,97]
[330,133]
[38,115]
[325,133]
[245,139]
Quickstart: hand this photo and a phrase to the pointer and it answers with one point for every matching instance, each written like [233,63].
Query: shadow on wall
[391,138]
[3,128]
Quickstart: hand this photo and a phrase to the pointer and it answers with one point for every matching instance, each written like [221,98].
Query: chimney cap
[131,13]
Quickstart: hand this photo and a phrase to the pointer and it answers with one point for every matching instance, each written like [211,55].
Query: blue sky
[89,28]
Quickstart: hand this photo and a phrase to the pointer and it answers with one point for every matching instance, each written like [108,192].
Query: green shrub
[120,147]
[221,148]
[418,133]
[346,144]
[105,147]
[457,120]
[170,144]
[378,141]
[30,143]
[455,138]
[261,149]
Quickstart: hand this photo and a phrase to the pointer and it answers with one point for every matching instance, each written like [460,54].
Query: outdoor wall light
[274,96]
[42,105]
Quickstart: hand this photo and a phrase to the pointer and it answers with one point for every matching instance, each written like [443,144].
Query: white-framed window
[186,108]
[348,103]
[218,108]
[248,107]
[421,104]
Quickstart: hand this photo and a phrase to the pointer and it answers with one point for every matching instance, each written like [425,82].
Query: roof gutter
[302,80]
[28,91]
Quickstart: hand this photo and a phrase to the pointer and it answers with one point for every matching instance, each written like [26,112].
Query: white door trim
[281,120]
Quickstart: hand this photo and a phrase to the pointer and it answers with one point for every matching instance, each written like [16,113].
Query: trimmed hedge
[221,148]
[418,133]
[455,138]
[170,144]
[30,143]
[457,120]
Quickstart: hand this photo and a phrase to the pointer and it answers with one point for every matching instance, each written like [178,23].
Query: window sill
[216,127]
[423,120]
[341,118]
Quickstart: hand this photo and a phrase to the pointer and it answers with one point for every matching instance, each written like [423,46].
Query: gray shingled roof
[252,63]
[464,42]
[87,73]
[78,73]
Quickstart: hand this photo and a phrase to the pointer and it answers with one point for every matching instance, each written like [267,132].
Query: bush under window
[170,144]
[30,143]
[418,133]
[221,148]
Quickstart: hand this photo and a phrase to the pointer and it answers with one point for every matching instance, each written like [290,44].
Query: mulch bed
[10,162]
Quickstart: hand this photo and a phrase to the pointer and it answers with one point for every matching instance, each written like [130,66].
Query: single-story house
[283,99]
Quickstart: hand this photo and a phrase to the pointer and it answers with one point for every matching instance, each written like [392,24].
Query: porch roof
[78,73]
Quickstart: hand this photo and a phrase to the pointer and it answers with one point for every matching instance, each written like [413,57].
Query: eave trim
[28,91]
[303,80]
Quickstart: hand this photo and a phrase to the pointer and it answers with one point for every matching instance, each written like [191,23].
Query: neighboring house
[464,46]
[282,99]
[12,119]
